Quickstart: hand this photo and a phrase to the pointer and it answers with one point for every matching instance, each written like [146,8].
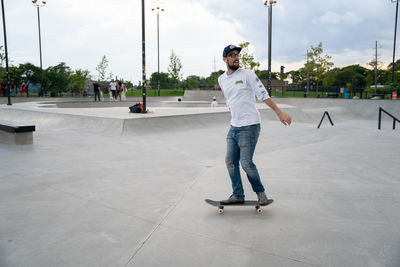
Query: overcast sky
[79,33]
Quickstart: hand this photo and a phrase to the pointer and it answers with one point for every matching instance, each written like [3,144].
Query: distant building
[275,84]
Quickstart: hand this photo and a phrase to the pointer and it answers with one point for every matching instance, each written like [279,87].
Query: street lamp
[269,4]
[144,82]
[6,54]
[158,6]
[394,42]
[35,3]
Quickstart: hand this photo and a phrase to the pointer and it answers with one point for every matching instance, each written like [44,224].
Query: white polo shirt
[240,89]
[113,86]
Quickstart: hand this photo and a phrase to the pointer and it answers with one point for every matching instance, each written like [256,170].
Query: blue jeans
[96,95]
[241,143]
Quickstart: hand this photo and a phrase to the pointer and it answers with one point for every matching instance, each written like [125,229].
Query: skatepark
[101,186]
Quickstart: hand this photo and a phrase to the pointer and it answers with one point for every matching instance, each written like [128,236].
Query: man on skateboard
[240,86]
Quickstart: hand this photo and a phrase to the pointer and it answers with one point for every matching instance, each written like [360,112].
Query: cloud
[79,33]
[351,18]
[328,18]
[336,19]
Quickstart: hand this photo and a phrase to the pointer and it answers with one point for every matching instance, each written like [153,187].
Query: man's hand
[285,118]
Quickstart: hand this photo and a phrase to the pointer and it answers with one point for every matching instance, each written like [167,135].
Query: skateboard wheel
[220,211]
[259,210]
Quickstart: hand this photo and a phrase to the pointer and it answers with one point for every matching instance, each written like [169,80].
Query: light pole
[143,58]
[394,42]
[6,54]
[269,4]
[158,6]
[35,3]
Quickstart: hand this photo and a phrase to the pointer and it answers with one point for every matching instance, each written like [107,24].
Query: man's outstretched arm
[283,117]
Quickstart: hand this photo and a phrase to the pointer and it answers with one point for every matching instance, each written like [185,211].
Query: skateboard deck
[246,203]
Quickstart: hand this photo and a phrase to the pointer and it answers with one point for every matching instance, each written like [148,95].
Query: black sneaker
[262,199]
[233,200]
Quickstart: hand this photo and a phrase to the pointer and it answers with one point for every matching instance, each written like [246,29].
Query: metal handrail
[380,118]
[323,116]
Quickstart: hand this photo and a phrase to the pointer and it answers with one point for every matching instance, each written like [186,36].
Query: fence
[324,92]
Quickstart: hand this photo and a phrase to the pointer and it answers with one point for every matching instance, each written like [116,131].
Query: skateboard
[246,203]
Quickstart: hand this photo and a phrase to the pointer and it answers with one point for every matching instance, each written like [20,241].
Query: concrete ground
[103,187]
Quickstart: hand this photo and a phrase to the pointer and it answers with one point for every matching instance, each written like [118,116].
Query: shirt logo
[239,82]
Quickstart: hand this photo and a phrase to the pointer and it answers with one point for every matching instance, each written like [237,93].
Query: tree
[192,82]
[351,77]
[2,56]
[78,81]
[396,79]
[247,59]
[165,81]
[263,74]
[15,76]
[30,72]
[317,64]
[102,69]
[330,77]
[129,84]
[175,67]
[389,67]
[296,76]
[57,79]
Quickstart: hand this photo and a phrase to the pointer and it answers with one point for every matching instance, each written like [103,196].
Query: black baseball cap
[230,48]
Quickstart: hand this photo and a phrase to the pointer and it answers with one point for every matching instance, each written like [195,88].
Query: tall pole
[376,64]
[394,43]
[269,47]
[143,59]
[306,87]
[158,6]
[6,54]
[40,50]
[308,75]
[158,52]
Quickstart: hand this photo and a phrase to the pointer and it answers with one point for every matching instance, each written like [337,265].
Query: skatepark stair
[390,115]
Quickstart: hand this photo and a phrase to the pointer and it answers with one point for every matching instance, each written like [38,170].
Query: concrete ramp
[118,120]
[203,95]
[60,121]
[359,108]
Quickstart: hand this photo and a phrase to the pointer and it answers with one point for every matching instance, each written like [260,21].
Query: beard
[233,66]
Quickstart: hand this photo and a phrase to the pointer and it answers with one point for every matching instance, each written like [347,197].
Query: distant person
[4,88]
[123,92]
[14,90]
[240,86]
[214,103]
[101,94]
[24,92]
[119,89]
[27,84]
[113,89]
[96,89]
[217,87]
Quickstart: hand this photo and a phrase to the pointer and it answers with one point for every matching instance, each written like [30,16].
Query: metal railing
[390,115]
[323,116]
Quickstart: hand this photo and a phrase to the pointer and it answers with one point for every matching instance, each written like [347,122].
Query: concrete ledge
[17,138]
[11,132]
